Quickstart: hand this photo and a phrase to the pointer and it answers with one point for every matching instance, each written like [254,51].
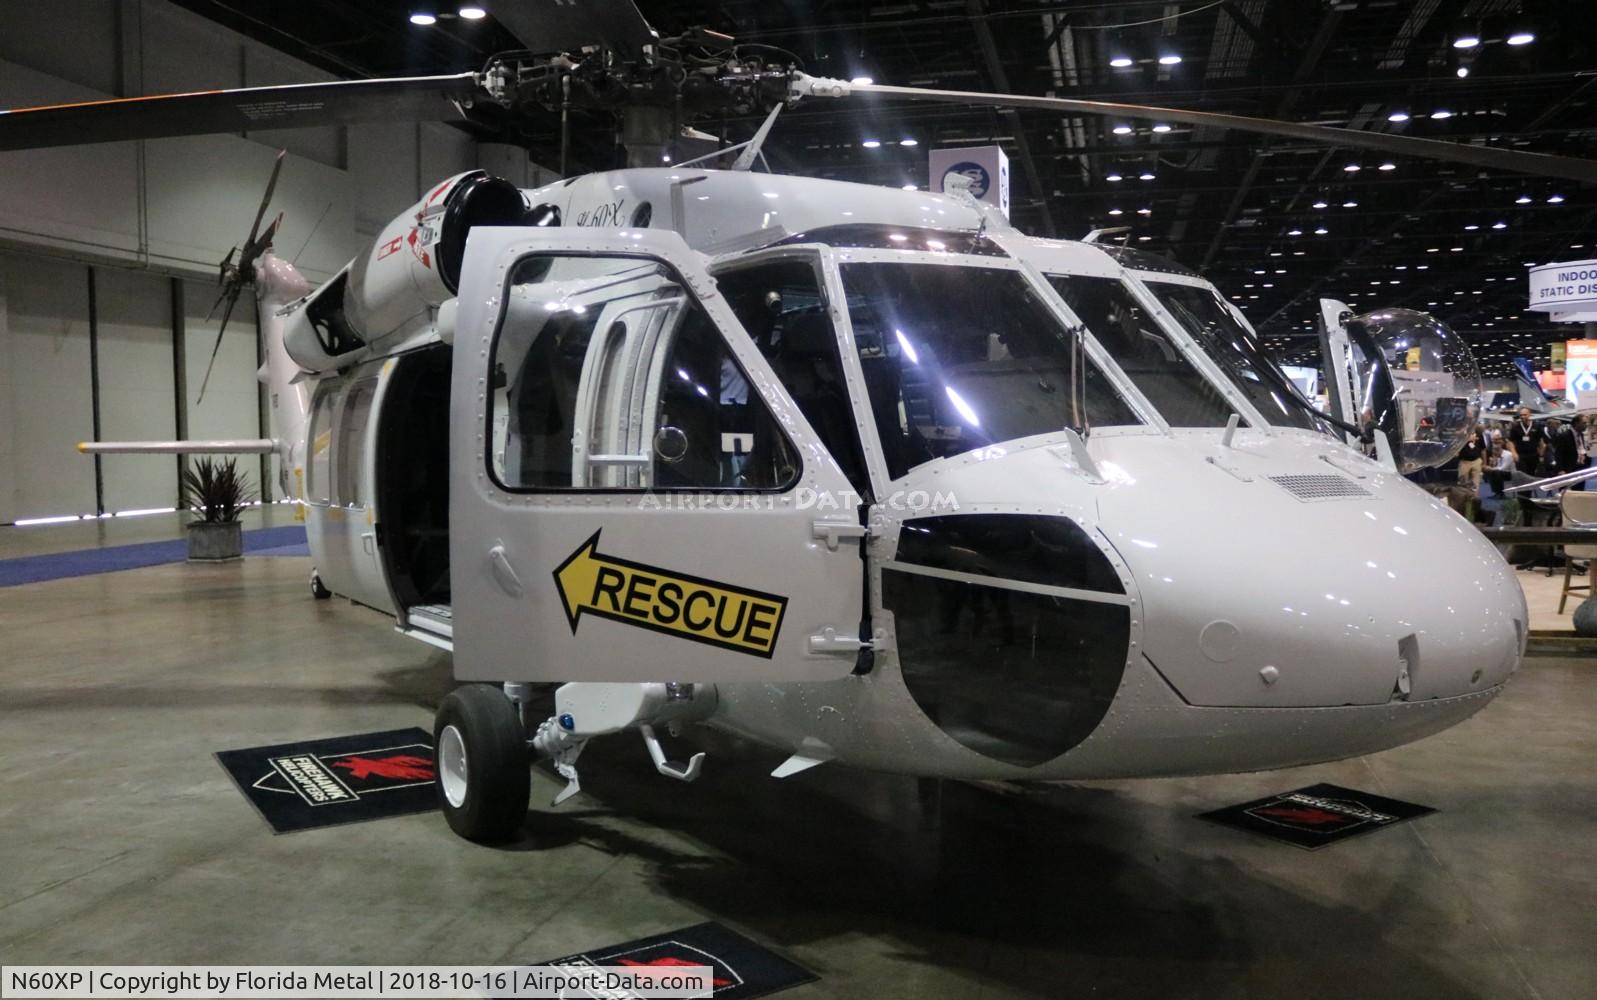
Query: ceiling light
[862,81]
[1121,130]
[1472,227]
[1397,116]
[472,13]
[1441,114]
[1294,232]
[871,143]
[1352,168]
[1120,62]
[1556,199]
[1161,128]
[1499,225]
[423,19]
[1387,166]
[1350,204]
[1523,199]
[1321,204]
[1321,231]
[1144,211]
[1114,177]
[1466,42]
[909,142]
[1169,59]
[1115,211]
[1521,38]
[1145,176]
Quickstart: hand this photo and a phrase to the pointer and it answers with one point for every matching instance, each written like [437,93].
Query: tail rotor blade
[232,299]
[271,185]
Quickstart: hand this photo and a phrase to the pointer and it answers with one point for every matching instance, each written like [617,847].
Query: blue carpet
[289,540]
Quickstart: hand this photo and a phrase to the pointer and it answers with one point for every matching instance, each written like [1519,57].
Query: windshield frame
[1250,411]
[832,258]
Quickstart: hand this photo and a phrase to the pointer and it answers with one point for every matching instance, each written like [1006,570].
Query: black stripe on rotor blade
[342,102]
[1514,161]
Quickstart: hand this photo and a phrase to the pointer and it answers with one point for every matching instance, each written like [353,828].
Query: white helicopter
[862,474]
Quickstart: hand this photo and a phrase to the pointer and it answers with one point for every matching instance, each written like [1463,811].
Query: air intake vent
[1308,488]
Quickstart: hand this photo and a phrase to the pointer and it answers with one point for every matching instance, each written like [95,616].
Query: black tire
[492,779]
[318,588]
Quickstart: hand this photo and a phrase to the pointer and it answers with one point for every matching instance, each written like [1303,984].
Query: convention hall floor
[123,842]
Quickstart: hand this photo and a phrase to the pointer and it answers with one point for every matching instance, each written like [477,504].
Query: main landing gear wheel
[484,772]
[318,588]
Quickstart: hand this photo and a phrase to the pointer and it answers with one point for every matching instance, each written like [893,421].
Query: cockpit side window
[781,305]
[1144,351]
[1201,313]
[959,357]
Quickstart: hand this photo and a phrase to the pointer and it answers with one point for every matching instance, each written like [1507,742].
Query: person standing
[1471,460]
[1525,436]
[1569,445]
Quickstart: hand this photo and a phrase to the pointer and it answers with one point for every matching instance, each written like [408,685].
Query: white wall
[44,363]
[146,212]
[134,313]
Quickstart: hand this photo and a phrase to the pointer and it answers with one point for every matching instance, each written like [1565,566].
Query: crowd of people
[1494,458]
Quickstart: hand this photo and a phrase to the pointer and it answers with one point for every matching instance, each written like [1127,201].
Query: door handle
[832,532]
[368,541]
[504,573]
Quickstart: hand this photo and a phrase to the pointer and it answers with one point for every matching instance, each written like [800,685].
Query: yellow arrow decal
[688,607]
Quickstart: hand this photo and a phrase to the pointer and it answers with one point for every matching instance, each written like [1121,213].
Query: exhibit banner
[986,166]
[1566,290]
[1580,371]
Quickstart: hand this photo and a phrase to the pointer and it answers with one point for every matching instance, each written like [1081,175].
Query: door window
[608,374]
[782,306]
[318,465]
[351,453]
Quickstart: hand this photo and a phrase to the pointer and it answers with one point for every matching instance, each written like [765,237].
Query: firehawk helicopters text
[596,433]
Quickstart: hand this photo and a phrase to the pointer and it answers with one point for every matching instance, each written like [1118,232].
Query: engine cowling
[412,268]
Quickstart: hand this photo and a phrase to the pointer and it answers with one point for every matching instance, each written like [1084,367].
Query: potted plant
[217,492]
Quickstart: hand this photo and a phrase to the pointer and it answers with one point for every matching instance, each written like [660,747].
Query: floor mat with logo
[302,786]
[743,968]
[1318,815]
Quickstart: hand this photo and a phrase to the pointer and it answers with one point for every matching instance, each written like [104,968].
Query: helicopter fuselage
[871,478]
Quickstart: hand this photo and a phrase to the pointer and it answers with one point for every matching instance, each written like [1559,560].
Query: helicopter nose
[1318,591]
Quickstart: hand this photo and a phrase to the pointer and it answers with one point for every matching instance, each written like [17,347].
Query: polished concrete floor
[122,841]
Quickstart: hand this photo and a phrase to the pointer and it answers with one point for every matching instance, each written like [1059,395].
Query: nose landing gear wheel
[318,588]
[484,775]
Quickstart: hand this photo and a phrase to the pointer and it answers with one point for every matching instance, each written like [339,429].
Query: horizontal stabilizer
[239,446]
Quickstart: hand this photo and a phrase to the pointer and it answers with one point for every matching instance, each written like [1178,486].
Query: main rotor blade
[297,105]
[260,213]
[545,26]
[1515,161]
[232,300]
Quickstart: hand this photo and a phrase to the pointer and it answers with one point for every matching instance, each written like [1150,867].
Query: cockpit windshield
[1143,350]
[957,357]
[1232,346]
